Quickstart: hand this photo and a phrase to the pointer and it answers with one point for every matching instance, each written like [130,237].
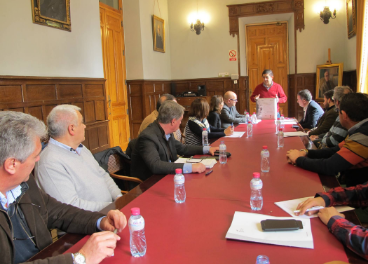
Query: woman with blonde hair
[217,103]
[197,121]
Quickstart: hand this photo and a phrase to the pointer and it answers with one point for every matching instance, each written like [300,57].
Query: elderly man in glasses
[27,213]
[229,114]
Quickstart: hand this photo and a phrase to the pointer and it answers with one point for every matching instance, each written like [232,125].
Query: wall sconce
[197,27]
[326,14]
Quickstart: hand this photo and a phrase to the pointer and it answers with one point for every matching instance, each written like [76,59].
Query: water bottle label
[179,179]
[257,185]
[136,224]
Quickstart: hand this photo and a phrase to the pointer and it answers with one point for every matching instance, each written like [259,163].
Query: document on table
[236,135]
[290,205]
[295,134]
[289,122]
[209,163]
[247,227]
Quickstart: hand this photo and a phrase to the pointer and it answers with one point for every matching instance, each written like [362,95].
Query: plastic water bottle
[262,259]
[205,137]
[282,118]
[179,188]
[249,130]
[247,117]
[256,199]
[223,156]
[280,139]
[253,118]
[265,159]
[138,245]
[278,124]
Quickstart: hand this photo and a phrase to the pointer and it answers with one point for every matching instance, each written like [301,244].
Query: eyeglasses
[235,100]
[12,210]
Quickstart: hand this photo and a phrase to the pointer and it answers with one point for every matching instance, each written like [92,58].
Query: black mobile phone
[269,225]
[217,153]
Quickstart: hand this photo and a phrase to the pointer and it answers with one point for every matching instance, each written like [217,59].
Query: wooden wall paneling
[39,95]
[349,78]
[136,106]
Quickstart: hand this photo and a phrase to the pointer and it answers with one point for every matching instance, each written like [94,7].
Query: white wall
[141,60]
[28,49]
[314,41]
[206,55]
[133,41]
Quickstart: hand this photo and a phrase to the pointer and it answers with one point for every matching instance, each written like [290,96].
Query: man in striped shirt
[352,236]
[337,132]
[351,155]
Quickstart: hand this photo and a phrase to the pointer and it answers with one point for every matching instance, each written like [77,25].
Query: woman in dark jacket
[197,121]
[217,102]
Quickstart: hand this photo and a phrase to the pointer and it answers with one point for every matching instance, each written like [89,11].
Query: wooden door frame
[247,52]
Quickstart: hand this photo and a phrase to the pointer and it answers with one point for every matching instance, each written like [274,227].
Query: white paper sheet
[247,227]
[295,134]
[236,135]
[266,108]
[290,205]
[209,163]
[289,122]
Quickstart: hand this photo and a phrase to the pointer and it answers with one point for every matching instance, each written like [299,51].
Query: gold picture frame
[52,13]
[351,17]
[158,34]
[328,77]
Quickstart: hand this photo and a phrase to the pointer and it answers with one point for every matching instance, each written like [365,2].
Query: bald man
[229,114]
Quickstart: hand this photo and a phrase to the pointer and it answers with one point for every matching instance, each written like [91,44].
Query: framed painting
[328,77]
[158,34]
[351,17]
[52,13]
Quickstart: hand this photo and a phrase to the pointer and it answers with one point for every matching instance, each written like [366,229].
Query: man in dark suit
[328,119]
[156,149]
[312,110]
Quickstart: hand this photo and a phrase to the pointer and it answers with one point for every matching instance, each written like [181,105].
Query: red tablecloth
[194,232]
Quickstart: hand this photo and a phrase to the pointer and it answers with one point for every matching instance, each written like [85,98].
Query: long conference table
[194,232]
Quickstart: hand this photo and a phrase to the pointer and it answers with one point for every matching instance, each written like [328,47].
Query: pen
[208,172]
[115,231]
[232,124]
[311,209]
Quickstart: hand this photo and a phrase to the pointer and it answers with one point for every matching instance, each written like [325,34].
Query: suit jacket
[230,115]
[151,154]
[325,122]
[313,113]
[214,119]
[45,214]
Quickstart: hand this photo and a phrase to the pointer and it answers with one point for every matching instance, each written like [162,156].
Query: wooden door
[112,36]
[267,48]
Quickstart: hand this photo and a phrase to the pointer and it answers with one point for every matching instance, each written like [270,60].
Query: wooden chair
[118,164]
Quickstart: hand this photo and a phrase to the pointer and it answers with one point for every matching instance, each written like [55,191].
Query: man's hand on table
[313,137]
[198,167]
[114,219]
[212,150]
[309,203]
[99,246]
[293,154]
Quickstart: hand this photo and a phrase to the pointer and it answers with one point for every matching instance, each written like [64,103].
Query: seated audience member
[229,114]
[269,89]
[197,122]
[67,170]
[351,235]
[337,132]
[27,213]
[153,116]
[312,110]
[351,155]
[217,103]
[156,149]
[328,118]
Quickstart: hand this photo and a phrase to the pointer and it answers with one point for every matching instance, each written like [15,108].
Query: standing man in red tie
[269,89]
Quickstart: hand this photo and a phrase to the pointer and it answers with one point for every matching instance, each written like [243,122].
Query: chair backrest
[114,164]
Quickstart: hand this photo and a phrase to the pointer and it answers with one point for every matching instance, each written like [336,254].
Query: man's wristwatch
[305,150]
[78,258]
